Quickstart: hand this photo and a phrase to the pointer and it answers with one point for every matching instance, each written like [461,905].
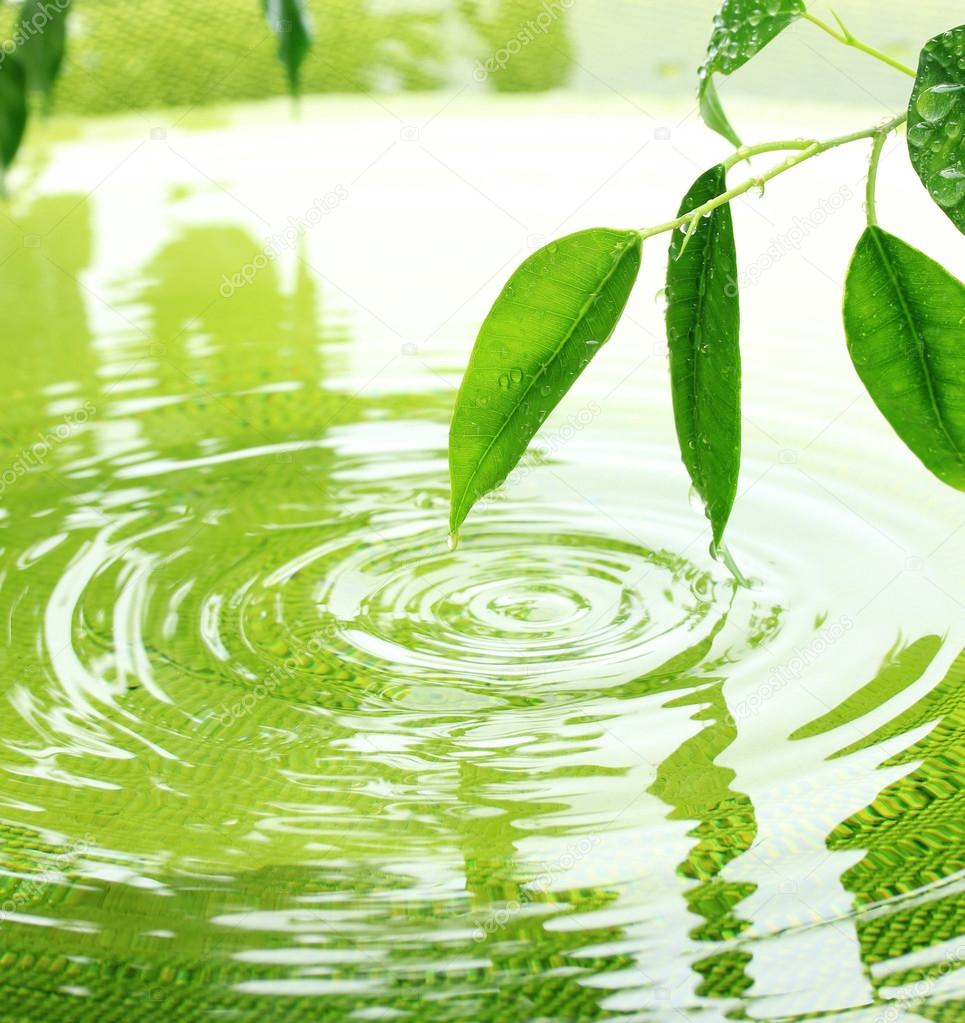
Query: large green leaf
[13,108]
[703,327]
[741,29]
[290,22]
[550,319]
[936,122]
[904,317]
[42,40]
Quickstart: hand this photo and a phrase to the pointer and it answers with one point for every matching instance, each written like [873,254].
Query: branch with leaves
[904,314]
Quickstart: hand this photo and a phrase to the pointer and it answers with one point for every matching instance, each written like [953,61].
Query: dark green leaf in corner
[290,22]
[741,29]
[703,327]
[936,122]
[551,318]
[42,41]
[13,109]
[904,317]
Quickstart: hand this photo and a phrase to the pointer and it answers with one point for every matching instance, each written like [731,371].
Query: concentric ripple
[269,750]
[520,600]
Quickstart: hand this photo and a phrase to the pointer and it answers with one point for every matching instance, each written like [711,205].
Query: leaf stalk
[846,38]
[806,150]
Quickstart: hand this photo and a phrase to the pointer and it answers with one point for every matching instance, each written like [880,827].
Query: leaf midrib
[618,259]
[705,251]
[919,340]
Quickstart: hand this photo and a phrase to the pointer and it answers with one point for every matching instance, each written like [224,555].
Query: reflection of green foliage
[913,834]
[902,666]
[697,788]
[176,53]
[526,45]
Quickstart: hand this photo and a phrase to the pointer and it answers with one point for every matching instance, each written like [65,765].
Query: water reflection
[269,748]
[909,913]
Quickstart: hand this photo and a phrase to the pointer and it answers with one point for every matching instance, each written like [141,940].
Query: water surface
[270,751]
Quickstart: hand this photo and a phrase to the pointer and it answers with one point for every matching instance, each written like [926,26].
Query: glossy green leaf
[904,317]
[936,122]
[13,108]
[742,28]
[703,328]
[290,21]
[550,319]
[41,41]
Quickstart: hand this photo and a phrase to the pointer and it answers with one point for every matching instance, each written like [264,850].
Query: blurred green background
[158,53]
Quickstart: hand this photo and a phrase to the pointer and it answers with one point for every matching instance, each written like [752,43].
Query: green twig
[847,39]
[807,150]
[879,141]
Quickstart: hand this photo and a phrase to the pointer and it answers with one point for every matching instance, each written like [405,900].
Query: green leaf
[550,319]
[703,328]
[41,41]
[13,108]
[936,119]
[904,317]
[742,28]
[290,22]
[713,113]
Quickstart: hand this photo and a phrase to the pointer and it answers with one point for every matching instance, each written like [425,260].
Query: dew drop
[935,103]
[515,375]
[452,541]
[920,134]
[662,298]
[947,187]
[503,380]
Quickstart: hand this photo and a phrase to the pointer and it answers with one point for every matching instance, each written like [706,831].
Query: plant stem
[746,152]
[845,37]
[876,146]
[808,149]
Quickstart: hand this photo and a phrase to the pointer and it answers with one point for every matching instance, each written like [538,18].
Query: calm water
[270,751]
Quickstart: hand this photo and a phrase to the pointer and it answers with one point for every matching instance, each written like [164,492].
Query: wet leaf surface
[936,122]
[551,318]
[703,326]
[904,316]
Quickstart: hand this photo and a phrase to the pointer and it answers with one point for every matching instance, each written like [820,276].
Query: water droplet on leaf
[935,103]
